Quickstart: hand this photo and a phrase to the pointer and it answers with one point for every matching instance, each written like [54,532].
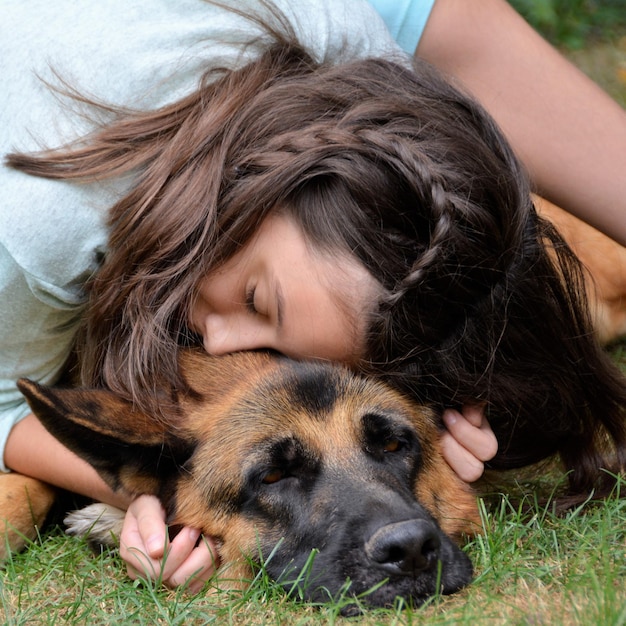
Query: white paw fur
[100,523]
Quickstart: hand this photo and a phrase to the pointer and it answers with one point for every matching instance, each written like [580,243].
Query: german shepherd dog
[276,459]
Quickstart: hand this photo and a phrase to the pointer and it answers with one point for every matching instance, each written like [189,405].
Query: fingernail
[155,544]
[195,588]
[194,534]
[449,418]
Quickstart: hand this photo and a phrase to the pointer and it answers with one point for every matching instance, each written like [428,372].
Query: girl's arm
[32,450]
[568,132]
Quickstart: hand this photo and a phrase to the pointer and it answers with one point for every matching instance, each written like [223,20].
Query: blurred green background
[573,23]
[592,33]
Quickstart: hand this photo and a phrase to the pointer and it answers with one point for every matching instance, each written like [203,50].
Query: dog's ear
[132,452]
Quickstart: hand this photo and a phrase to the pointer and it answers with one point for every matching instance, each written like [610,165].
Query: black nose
[404,547]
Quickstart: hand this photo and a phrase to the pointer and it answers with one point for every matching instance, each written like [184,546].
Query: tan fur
[24,504]
[451,501]
[605,269]
[227,442]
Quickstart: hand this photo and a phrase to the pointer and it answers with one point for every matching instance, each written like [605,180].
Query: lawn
[606,64]
[592,33]
[532,567]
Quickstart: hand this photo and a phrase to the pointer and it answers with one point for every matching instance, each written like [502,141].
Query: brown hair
[392,164]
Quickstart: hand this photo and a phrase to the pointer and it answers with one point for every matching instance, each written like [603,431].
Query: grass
[532,567]
[574,23]
[606,64]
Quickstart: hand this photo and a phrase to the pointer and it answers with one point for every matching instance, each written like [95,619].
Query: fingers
[144,537]
[148,553]
[469,442]
[196,568]
[145,523]
[471,429]
[475,415]
[465,465]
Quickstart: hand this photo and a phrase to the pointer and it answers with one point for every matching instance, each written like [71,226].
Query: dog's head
[276,459]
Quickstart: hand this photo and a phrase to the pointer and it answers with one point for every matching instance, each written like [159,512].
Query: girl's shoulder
[147,53]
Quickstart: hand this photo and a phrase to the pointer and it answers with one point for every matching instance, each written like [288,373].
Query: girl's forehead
[278,292]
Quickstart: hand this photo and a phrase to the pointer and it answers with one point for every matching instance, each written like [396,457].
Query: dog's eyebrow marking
[312,387]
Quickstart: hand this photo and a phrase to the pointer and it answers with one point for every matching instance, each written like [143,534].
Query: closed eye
[249,301]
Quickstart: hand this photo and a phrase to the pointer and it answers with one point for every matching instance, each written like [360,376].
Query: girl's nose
[230,333]
[217,334]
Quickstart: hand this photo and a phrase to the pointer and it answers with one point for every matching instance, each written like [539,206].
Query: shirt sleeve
[405,19]
[38,325]
[342,31]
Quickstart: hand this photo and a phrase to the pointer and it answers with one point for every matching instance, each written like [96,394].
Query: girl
[313,201]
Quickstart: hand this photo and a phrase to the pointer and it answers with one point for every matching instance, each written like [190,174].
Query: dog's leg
[24,504]
[605,269]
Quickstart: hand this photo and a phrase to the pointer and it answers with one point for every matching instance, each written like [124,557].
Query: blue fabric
[405,19]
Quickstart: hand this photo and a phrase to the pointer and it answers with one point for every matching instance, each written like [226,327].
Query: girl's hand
[148,552]
[468,442]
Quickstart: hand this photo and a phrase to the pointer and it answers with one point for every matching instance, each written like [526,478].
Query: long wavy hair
[482,300]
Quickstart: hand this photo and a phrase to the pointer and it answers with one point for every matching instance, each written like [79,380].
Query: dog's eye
[272,476]
[393,445]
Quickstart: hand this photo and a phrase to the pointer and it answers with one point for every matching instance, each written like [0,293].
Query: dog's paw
[99,523]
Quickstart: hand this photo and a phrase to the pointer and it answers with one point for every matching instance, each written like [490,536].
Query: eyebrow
[280,305]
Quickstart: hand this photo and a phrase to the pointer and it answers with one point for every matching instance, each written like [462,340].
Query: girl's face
[275,293]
